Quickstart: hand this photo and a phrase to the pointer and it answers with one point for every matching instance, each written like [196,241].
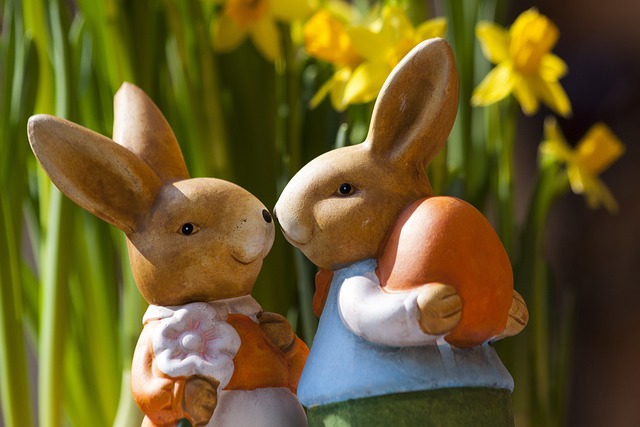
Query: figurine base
[477,407]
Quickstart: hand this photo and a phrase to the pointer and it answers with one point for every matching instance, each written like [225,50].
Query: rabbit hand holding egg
[207,352]
[412,287]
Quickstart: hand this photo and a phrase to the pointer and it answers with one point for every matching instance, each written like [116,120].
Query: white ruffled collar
[245,305]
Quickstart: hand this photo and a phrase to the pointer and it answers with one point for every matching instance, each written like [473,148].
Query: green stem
[504,117]
[14,384]
[56,262]
[132,309]
[306,286]
[97,283]
[54,276]
[461,18]
[532,278]
[289,148]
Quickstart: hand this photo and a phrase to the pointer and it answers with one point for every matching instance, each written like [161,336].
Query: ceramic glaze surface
[207,352]
[343,366]
[413,288]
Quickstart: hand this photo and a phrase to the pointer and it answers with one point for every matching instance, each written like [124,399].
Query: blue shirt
[343,366]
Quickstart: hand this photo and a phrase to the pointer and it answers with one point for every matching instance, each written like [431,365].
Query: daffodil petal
[494,41]
[531,37]
[431,28]
[345,11]
[365,83]
[496,86]
[532,27]
[597,193]
[552,68]
[266,38]
[576,178]
[524,90]
[341,78]
[366,43]
[288,11]
[334,86]
[553,95]
[599,149]
[552,131]
[321,94]
[395,25]
[226,34]
[603,195]
[326,38]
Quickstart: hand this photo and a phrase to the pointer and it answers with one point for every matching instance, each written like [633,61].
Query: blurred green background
[70,313]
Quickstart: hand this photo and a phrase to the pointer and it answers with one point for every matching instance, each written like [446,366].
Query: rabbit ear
[417,105]
[140,126]
[96,173]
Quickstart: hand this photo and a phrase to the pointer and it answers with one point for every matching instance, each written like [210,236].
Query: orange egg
[446,240]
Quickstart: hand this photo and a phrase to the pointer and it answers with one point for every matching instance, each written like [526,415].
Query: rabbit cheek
[144,273]
[172,269]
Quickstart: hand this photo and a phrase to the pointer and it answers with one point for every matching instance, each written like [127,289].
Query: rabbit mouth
[244,261]
[302,236]
[291,240]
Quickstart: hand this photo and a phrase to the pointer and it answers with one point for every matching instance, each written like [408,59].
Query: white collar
[245,305]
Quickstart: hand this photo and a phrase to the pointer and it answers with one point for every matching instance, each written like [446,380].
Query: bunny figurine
[207,352]
[412,287]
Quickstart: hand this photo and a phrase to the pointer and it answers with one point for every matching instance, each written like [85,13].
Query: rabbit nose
[266,216]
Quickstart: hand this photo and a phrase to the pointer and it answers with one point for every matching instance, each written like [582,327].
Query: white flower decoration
[195,340]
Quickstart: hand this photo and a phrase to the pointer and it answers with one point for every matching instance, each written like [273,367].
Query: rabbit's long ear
[140,126]
[96,173]
[417,105]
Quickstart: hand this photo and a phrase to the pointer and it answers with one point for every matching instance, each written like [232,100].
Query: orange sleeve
[260,364]
[297,357]
[156,394]
[323,283]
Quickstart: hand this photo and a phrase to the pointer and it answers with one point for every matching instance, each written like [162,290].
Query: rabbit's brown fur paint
[411,121]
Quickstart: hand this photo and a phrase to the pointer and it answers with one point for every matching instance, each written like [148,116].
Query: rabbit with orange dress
[207,352]
[412,287]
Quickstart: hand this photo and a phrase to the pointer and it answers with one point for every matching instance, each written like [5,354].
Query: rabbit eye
[345,189]
[188,229]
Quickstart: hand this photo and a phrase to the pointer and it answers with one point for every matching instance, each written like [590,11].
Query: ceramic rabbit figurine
[412,287]
[207,353]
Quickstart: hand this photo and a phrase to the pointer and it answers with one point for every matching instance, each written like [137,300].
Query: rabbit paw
[278,330]
[440,308]
[518,317]
[199,400]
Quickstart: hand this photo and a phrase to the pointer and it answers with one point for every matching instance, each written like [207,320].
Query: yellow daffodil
[256,19]
[594,153]
[382,45]
[525,65]
[363,55]
[326,38]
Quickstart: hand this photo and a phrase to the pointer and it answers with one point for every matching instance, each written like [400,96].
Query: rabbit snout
[252,236]
[293,230]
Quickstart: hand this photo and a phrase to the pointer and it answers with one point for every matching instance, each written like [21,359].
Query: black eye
[345,189]
[266,215]
[187,229]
